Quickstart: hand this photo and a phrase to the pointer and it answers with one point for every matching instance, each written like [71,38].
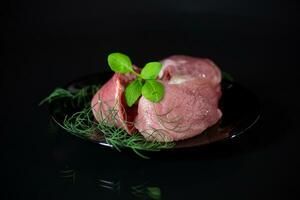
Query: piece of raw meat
[190,104]
[109,104]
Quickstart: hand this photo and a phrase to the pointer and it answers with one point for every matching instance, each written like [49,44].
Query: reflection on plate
[240,109]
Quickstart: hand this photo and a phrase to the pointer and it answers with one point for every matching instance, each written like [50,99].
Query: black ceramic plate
[239,105]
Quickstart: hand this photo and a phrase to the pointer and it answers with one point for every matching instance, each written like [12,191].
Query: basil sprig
[145,83]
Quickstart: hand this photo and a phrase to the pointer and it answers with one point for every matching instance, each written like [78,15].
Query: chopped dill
[82,123]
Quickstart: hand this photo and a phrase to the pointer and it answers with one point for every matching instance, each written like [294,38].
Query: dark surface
[49,43]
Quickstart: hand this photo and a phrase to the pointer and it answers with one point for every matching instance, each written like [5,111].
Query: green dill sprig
[81,96]
[58,93]
[83,125]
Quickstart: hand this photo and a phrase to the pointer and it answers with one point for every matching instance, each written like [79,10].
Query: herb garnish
[145,83]
[82,124]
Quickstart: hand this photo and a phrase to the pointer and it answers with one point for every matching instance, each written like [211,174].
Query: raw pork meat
[190,104]
[109,103]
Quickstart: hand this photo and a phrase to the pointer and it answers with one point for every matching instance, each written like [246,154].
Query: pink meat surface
[190,104]
[109,103]
[180,67]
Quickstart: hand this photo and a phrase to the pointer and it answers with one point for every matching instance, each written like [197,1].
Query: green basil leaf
[119,62]
[151,70]
[133,91]
[153,90]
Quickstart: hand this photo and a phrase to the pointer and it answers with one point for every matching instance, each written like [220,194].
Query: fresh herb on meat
[144,84]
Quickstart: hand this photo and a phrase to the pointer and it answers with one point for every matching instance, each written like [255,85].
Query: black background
[49,43]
